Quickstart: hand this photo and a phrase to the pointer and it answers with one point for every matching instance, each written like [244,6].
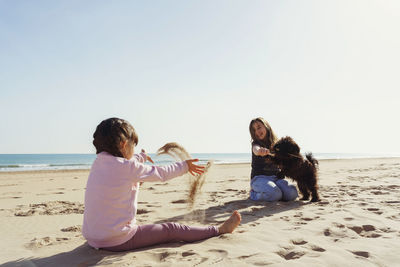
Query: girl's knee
[276,194]
[173,231]
[264,188]
[172,226]
[290,193]
[271,194]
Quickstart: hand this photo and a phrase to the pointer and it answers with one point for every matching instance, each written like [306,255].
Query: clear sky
[326,73]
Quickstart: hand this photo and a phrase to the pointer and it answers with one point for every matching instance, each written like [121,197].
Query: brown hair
[110,133]
[270,137]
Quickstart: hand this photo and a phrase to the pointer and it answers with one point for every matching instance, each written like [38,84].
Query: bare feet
[229,225]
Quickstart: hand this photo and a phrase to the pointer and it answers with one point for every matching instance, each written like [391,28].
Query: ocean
[33,162]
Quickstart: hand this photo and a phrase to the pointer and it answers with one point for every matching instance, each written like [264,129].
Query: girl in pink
[112,189]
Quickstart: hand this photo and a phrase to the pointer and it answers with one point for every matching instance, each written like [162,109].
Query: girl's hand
[264,151]
[193,168]
[147,156]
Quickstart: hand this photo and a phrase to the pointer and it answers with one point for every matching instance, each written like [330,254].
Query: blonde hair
[270,137]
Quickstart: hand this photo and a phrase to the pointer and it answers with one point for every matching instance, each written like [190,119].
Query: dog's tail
[311,159]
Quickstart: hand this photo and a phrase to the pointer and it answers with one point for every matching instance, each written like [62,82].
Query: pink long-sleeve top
[111,196]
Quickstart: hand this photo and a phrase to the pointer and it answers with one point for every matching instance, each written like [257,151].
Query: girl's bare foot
[229,225]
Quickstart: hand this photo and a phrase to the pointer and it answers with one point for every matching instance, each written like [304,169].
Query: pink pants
[154,234]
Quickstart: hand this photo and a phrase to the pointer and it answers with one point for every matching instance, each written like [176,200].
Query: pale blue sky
[196,72]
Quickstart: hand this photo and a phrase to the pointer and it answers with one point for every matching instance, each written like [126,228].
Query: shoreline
[217,164]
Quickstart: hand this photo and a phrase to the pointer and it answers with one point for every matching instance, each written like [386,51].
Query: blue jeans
[270,188]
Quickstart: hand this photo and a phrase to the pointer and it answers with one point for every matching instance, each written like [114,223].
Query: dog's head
[285,147]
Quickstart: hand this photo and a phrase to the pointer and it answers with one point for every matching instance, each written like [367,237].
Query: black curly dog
[286,154]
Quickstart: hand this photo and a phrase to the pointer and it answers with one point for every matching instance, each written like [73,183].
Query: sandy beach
[357,223]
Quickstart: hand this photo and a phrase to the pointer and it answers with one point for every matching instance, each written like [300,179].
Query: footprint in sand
[231,190]
[153,206]
[309,219]
[375,210]
[289,254]
[220,255]
[317,248]
[387,230]
[190,256]
[368,231]
[393,201]
[50,208]
[256,209]
[286,218]
[142,211]
[24,213]
[40,242]
[76,228]
[328,232]
[380,193]
[219,252]
[246,256]
[202,259]
[341,231]
[45,241]
[393,217]
[188,253]
[364,254]
[163,256]
[180,201]
[299,241]
[339,225]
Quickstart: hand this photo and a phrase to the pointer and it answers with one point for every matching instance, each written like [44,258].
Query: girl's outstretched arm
[140,172]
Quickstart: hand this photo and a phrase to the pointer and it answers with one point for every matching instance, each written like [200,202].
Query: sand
[195,181]
[357,223]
